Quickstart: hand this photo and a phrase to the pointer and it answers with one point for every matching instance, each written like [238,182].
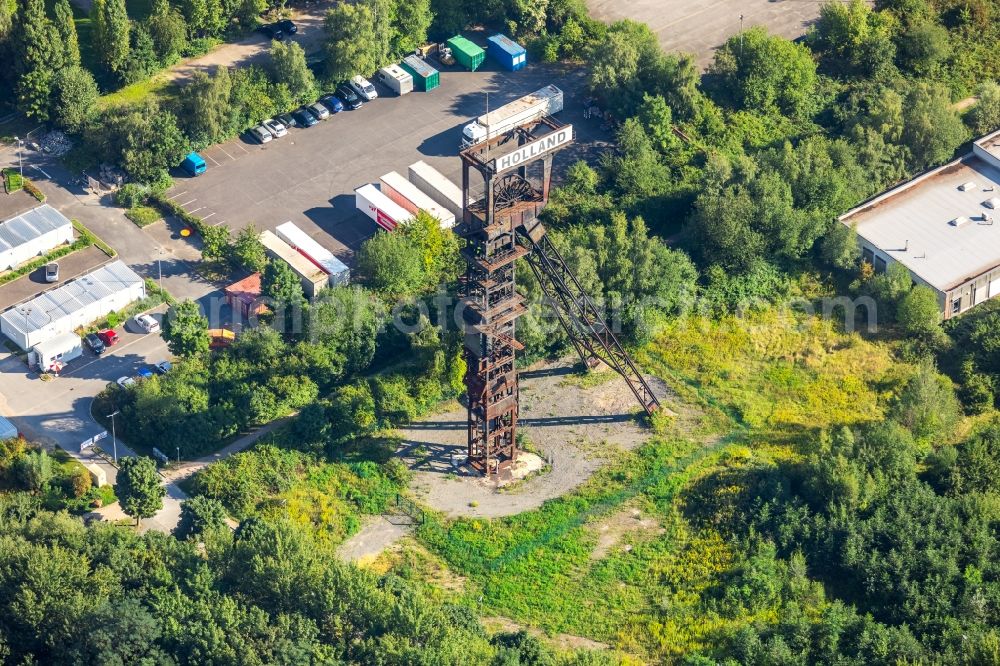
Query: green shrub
[131,195]
[143,216]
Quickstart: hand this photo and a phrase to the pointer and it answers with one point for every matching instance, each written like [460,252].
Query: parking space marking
[188,202]
[227,154]
[98,358]
[211,158]
[218,223]
[177,195]
[192,212]
[242,148]
[207,216]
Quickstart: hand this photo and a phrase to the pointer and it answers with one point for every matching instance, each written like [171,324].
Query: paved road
[699,28]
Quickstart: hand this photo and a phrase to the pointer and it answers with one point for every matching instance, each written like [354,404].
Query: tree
[346,321]
[142,58]
[74,98]
[927,406]
[765,73]
[985,115]
[390,264]
[185,330]
[288,66]
[138,488]
[248,12]
[840,247]
[352,44]
[249,251]
[918,312]
[280,284]
[39,56]
[33,470]
[112,32]
[66,28]
[854,39]
[923,46]
[206,103]
[932,129]
[166,26]
[410,27]
[150,142]
[200,514]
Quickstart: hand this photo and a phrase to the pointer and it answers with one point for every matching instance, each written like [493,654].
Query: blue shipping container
[507,52]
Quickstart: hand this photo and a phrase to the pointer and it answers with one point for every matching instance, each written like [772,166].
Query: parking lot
[309,176]
[71,267]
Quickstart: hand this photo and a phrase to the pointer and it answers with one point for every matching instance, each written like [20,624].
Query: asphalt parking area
[309,176]
[71,267]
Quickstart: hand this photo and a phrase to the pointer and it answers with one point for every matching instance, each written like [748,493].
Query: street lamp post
[20,165]
[114,440]
[178,455]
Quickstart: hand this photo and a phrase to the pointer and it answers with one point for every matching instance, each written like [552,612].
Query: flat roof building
[942,227]
[312,278]
[77,303]
[32,234]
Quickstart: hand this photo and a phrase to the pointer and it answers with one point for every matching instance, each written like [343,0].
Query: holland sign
[535,149]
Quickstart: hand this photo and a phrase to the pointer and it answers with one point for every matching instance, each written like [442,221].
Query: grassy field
[618,561]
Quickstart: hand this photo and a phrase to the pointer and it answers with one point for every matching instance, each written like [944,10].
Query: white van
[363,87]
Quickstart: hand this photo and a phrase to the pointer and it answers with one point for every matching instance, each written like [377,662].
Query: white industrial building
[74,304]
[32,234]
[942,226]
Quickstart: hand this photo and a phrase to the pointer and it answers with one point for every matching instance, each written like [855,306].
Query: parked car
[163,367]
[318,110]
[276,129]
[348,97]
[287,27]
[363,87]
[286,119]
[144,373]
[52,272]
[108,337]
[261,134]
[125,382]
[332,102]
[272,31]
[147,323]
[95,343]
[303,118]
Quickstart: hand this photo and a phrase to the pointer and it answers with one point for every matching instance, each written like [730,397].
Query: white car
[364,88]
[125,382]
[276,129]
[147,323]
[260,133]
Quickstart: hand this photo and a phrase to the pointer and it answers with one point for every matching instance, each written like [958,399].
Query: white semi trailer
[436,185]
[545,102]
[413,199]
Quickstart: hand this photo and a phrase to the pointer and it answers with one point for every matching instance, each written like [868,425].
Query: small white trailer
[546,101]
[396,78]
[307,246]
[384,211]
[435,185]
[410,197]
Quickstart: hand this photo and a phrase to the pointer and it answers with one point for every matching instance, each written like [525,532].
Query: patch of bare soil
[612,529]
[499,623]
[575,425]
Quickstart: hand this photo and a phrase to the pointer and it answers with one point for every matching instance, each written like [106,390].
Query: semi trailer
[547,101]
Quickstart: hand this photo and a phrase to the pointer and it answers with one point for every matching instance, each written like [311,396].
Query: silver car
[318,110]
[52,272]
[260,133]
[276,129]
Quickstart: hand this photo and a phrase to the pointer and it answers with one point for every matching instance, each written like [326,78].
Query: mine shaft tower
[501,226]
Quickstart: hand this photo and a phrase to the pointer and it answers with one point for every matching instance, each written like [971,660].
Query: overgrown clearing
[654,590]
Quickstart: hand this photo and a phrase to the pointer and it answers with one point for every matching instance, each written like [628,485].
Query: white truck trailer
[545,102]
[307,246]
[435,185]
[410,197]
[387,213]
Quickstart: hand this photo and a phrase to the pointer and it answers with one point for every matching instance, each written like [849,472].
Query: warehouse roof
[941,225]
[28,226]
[70,297]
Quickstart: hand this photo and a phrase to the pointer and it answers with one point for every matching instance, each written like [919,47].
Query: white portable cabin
[396,78]
[437,186]
[312,278]
[51,355]
[337,271]
[78,303]
[32,234]
[410,197]
[384,211]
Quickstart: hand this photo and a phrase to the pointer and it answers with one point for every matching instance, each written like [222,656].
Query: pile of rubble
[111,177]
[56,143]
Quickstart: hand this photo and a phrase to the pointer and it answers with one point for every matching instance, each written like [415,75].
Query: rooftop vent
[992,202]
[959,221]
[965,187]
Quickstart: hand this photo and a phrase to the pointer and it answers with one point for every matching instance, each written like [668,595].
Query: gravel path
[378,533]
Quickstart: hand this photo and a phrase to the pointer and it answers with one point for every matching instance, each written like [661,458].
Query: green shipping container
[424,76]
[466,53]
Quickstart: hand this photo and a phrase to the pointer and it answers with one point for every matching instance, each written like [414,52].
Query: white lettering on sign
[535,149]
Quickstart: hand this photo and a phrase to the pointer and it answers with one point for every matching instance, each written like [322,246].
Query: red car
[108,337]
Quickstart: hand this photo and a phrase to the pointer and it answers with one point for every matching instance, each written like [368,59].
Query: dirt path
[378,534]
[576,429]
